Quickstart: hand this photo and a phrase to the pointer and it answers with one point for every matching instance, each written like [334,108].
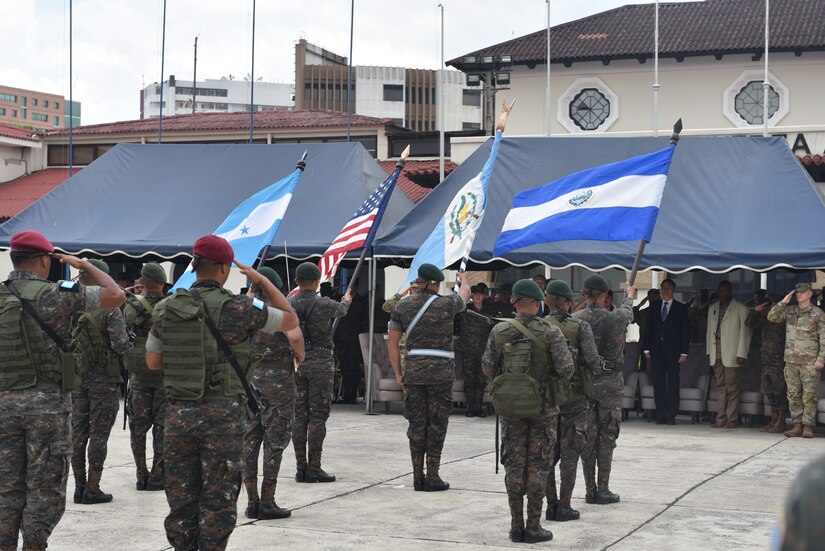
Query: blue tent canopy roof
[155,200]
[729,202]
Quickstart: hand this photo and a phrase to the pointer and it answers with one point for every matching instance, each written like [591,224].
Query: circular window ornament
[742,100]
[588,106]
[749,102]
[589,109]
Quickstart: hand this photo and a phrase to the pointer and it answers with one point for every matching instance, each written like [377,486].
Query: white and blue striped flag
[253,224]
[452,238]
[615,202]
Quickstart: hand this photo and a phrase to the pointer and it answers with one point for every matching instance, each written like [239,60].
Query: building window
[56,121]
[2,110]
[588,105]
[393,92]
[471,126]
[22,101]
[748,102]
[471,97]
[398,122]
[40,117]
[57,105]
[45,104]
[34,102]
[8,97]
[589,109]
[14,113]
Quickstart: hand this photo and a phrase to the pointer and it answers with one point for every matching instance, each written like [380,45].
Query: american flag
[360,230]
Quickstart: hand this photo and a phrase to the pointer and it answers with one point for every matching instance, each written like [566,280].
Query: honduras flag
[615,202]
[452,238]
[253,224]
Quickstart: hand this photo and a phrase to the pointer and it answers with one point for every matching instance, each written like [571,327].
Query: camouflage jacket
[433,331]
[804,332]
[138,320]
[119,343]
[318,339]
[773,334]
[613,349]
[474,330]
[272,347]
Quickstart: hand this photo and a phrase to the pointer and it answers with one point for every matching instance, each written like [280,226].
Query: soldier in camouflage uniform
[527,443]
[388,307]
[609,331]
[773,364]
[35,403]
[206,415]
[572,427]
[315,375]
[472,338]
[801,527]
[275,380]
[96,402]
[146,399]
[804,356]
[427,378]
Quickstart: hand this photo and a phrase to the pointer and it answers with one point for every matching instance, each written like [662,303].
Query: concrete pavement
[684,487]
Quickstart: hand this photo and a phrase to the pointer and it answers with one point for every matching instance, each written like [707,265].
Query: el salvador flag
[615,202]
[253,224]
[452,238]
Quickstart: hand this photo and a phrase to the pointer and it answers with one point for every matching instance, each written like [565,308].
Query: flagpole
[349,70]
[252,79]
[162,59]
[656,73]
[548,101]
[766,85]
[674,139]
[440,76]
[368,366]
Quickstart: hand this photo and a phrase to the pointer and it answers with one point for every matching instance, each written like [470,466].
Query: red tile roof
[712,27]
[305,118]
[417,169]
[21,192]
[9,131]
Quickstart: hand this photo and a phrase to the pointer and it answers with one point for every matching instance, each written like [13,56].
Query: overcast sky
[117,43]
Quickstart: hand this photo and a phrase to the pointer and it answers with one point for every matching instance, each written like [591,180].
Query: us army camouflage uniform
[388,307]
[428,398]
[95,404]
[472,338]
[527,445]
[804,345]
[314,378]
[203,452]
[146,400]
[771,358]
[801,527]
[35,430]
[275,380]
[572,431]
[606,407]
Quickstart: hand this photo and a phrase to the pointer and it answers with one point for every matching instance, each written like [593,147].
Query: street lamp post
[493,75]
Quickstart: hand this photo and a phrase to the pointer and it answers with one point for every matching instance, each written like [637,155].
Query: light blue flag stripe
[253,224]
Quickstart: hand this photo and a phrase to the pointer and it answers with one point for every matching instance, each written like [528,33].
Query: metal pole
[349,71]
[252,78]
[440,74]
[71,103]
[368,367]
[766,85]
[656,74]
[548,101]
[352,281]
[195,76]
[162,58]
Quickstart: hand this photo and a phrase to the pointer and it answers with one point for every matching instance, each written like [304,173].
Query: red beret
[217,249]
[30,240]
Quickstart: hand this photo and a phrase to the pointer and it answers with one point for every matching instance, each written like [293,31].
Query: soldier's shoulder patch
[69,286]
[258,303]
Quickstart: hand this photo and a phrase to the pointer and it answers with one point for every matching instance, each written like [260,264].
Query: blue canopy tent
[153,201]
[729,202]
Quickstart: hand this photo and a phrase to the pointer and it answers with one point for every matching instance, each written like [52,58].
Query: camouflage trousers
[803,381]
[94,409]
[273,428]
[34,468]
[572,438]
[428,408]
[527,455]
[603,422]
[773,381]
[474,379]
[146,406]
[313,400]
[203,458]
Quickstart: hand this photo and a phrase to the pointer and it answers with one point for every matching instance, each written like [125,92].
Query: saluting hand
[787,298]
[72,261]
[250,272]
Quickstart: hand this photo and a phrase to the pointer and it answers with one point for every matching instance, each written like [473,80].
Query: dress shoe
[730,425]
[435,485]
[301,475]
[535,534]
[517,534]
[590,496]
[319,475]
[660,421]
[565,513]
[271,511]
[606,497]
[418,484]
[252,509]
[481,412]
[469,413]
[718,424]
[91,497]
[671,421]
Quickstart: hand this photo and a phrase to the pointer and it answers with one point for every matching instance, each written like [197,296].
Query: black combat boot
[564,512]
[314,471]
[300,462]
[534,533]
[481,409]
[156,478]
[418,471]
[603,495]
[590,482]
[552,498]
[141,474]
[93,494]
[253,500]
[433,482]
[79,472]
[269,510]
[516,518]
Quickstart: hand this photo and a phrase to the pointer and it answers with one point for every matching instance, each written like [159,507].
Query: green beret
[559,288]
[155,271]
[527,288]
[272,276]
[99,264]
[597,283]
[802,287]
[430,272]
[307,271]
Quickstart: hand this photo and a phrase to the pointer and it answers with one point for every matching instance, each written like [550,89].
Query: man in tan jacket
[728,340]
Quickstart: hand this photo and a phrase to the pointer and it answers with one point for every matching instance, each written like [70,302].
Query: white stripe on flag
[361,227]
[628,191]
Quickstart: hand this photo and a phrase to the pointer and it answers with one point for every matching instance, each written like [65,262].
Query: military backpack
[93,350]
[582,381]
[138,317]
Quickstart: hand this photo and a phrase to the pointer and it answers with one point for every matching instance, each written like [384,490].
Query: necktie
[664,312]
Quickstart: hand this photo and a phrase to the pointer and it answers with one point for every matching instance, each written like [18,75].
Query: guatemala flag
[253,224]
[452,238]
[615,202]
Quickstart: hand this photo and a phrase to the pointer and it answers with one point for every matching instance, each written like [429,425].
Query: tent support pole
[368,366]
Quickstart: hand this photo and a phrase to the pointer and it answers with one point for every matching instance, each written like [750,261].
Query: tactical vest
[582,381]
[93,349]
[25,361]
[521,386]
[192,368]
[139,320]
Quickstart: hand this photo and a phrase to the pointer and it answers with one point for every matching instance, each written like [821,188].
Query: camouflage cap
[430,272]
[802,287]
[527,288]
[155,271]
[272,276]
[559,288]
[597,283]
[307,271]
[99,264]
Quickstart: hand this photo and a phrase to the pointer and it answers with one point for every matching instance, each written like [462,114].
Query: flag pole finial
[677,130]
[505,112]
[302,164]
[404,154]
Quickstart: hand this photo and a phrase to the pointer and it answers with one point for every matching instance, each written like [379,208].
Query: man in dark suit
[665,342]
